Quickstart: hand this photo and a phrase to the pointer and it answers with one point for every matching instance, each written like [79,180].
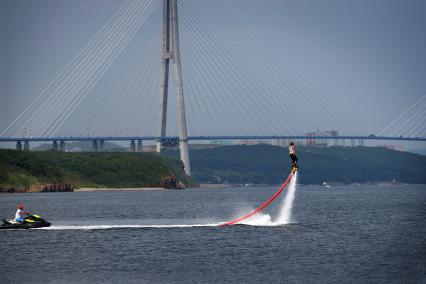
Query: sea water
[353,234]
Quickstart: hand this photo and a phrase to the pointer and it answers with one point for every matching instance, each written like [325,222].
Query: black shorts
[293,158]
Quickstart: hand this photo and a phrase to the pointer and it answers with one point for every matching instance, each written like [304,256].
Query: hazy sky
[365,59]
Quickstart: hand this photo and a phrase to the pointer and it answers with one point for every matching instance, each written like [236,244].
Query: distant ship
[389,183]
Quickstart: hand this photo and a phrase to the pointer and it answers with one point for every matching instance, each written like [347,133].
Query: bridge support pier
[62,146]
[18,145]
[132,146]
[95,147]
[171,52]
[26,145]
[102,145]
[139,147]
[55,145]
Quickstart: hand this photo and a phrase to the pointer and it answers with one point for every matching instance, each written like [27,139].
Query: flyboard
[260,208]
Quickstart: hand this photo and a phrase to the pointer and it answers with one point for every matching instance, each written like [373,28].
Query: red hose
[260,208]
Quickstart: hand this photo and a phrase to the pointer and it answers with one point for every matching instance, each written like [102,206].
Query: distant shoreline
[91,189]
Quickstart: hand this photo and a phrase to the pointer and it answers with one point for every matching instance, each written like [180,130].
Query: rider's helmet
[21,206]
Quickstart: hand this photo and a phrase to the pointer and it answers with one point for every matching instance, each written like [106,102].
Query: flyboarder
[293,156]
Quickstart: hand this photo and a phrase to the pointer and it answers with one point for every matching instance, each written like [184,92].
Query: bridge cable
[214,35]
[100,71]
[63,94]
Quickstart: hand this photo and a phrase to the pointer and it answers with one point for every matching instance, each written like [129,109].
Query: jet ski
[30,222]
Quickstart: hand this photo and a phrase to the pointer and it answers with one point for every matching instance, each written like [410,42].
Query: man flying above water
[293,156]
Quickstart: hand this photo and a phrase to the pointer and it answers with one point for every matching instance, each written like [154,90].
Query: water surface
[354,234]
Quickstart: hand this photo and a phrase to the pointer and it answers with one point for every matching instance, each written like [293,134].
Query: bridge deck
[200,138]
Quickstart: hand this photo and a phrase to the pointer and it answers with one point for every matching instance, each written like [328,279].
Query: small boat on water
[30,222]
[389,183]
[326,184]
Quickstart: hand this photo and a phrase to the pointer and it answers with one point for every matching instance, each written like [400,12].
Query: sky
[364,60]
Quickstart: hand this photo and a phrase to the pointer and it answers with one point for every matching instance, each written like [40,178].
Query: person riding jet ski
[19,214]
[29,222]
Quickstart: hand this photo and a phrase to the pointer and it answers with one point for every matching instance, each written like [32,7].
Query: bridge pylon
[171,52]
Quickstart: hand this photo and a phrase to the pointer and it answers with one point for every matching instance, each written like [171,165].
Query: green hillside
[259,164]
[26,168]
[262,164]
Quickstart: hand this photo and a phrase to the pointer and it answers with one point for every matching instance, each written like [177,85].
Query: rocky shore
[52,187]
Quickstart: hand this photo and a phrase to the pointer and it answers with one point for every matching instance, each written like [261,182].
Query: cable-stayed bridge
[117,86]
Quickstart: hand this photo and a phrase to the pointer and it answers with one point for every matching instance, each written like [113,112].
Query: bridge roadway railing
[200,138]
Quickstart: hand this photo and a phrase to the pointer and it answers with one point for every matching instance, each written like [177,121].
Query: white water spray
[286,210]
[284,216]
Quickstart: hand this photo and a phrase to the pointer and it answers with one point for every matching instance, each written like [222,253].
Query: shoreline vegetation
[91,189]
[48,171]
[218,186]
[212,167]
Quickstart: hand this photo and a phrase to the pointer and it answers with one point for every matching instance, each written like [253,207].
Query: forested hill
[259,164]
[24,169]
[265,164]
